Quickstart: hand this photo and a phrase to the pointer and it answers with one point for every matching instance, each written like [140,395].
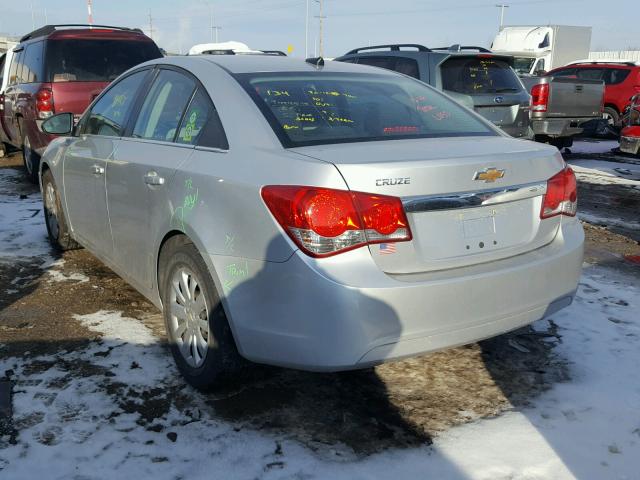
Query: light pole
[89,12]
[321,17]
[306,33]
[502,6]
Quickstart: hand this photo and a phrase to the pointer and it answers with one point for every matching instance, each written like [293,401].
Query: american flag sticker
[386,248]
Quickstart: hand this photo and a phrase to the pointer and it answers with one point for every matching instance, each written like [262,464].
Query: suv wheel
[57,228]
[31,160]
[612,117]
[197,328]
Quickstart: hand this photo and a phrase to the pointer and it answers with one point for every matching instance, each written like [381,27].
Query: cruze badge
[393,181]
[489,175]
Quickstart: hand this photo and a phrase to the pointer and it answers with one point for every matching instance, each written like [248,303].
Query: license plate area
[442,235]
[498,115]
[479,227]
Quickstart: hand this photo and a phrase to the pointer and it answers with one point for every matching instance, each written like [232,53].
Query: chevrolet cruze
[321,216]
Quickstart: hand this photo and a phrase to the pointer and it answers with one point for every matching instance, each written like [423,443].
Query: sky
[278,24]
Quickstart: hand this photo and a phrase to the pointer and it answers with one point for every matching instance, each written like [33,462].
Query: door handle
[97,170]
[152,178]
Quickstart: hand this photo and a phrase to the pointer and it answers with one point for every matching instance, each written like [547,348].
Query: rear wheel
[57,228]
[31,160]
[612,117]
[197,328]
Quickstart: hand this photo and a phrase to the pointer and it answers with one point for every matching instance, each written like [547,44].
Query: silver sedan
[322,217]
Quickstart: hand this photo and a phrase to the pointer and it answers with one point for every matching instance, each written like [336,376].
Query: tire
[613,117]
[57,228]
[31,160]
[199,336]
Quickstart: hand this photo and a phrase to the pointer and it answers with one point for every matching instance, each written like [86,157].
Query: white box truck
[539,49]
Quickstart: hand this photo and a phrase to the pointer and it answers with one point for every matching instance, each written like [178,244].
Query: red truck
[621,79]
[62,68]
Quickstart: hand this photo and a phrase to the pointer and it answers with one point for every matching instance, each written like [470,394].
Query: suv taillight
[324,221]
[44,103]
[540,97]
[562,195]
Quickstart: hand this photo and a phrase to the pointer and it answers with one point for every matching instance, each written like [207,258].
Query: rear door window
[476,75]
[110,113]
[614,76]
[201,124]
[95,60]
[567,72]
[164,106]
[32,70]
[407,66]
[589,73]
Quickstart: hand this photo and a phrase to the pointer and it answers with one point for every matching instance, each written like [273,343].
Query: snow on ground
[77,419]
[27,235]
[591,146]
[607,220]
[606,173]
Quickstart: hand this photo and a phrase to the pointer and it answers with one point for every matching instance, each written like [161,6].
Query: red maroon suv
[621,79]
[62,68]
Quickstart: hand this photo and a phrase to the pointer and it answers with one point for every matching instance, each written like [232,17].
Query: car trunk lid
[457,215]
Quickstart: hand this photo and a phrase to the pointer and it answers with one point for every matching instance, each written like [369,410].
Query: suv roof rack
[278,53]
[47,29]
[459,48]
[393,47]
[230,51]
[630,63]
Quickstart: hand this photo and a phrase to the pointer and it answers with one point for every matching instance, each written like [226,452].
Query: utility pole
[33,18]
[151,30]
[321,17]
[214,28]
[306,33]
[502,6]
[90,12]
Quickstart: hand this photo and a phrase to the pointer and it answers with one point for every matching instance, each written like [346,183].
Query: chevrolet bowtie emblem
[489,175]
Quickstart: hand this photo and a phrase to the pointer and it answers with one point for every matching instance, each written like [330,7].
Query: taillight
[325,221]
[562,195]
[540,97]
[44,103]
[1,101]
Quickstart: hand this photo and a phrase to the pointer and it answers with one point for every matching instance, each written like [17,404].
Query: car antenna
[316,61]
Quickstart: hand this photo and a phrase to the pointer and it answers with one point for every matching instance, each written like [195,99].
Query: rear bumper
[561,127]
[630,145]
[344,313]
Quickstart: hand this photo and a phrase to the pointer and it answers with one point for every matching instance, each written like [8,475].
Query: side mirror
[539,73]
[60,124]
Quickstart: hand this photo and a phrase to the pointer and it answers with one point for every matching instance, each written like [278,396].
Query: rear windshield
[99,60]
[476,75]
[322,108]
